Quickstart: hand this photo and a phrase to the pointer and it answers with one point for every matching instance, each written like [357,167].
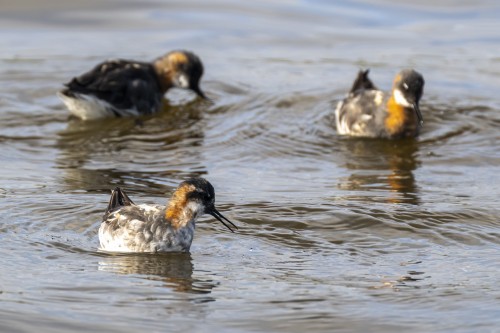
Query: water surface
[336,234]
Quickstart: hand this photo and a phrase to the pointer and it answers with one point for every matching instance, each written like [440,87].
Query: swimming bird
[127,227]
[130,88]
[369,112]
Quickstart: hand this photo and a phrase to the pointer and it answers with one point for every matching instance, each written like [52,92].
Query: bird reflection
[174,269]
[382,165]
[98,155]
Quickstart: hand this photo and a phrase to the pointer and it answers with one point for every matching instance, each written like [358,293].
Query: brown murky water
[335,234]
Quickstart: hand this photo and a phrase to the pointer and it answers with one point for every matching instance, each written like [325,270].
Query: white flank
[112,244]
[341,125]
[88,107]
[117,241]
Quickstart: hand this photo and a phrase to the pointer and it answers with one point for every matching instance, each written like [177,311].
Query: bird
[128,227]
[123,88]
[369,112]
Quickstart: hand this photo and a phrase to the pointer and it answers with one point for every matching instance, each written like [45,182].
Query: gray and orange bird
[369,112]
[127,227]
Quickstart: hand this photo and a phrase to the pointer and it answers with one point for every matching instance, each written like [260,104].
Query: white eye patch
[400,98]
[405,86]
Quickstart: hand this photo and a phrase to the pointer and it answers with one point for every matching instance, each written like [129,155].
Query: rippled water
[336,234]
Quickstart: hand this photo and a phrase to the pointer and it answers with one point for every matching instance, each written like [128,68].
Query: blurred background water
[336,234]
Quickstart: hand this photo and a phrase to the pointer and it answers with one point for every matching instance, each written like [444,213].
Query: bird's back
[124,87]
[362,113]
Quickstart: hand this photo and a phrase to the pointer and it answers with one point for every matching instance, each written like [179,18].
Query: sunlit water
[336,234]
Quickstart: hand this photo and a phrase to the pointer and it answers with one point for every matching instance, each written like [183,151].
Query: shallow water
[336,234]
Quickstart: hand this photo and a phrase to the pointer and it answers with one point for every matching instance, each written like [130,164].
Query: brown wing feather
[122,83]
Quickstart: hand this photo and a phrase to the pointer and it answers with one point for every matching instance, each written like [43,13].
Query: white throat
[400,98]
[183,81]
[196,208]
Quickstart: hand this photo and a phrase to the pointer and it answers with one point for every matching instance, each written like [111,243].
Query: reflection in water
[410,280]
[382,165]
[97,155]
[174,269]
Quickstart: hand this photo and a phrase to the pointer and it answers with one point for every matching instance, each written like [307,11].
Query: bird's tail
[362,82]
[118,199]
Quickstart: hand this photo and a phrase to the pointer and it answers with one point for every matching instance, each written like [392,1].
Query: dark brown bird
[131,88]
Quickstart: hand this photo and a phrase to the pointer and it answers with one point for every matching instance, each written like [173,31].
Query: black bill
[200,93]
[419,115]
[220,218]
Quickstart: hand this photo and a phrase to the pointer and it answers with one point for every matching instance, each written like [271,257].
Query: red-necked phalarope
[368,112]
[131,88]
[127,227]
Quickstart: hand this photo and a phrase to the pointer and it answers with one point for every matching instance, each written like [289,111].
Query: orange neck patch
[396,118]
[163,72]
[167,66]
[178,58]
[177,213]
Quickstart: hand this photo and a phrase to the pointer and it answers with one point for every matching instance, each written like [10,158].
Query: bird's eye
[405,86]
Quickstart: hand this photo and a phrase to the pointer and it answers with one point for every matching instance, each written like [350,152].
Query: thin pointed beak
[419,114]
[219,217]
[200,93]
